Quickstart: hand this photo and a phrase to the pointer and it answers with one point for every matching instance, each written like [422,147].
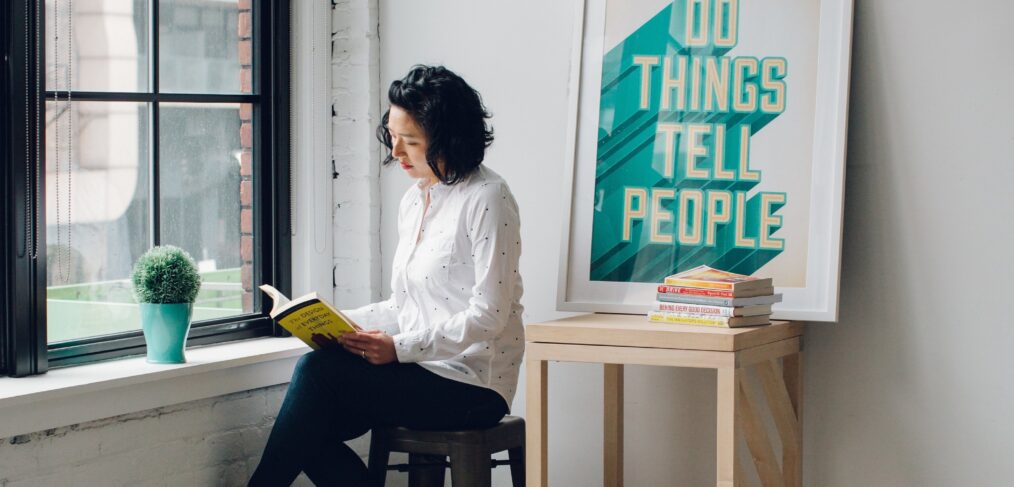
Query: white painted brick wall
[355,80]
[212,442]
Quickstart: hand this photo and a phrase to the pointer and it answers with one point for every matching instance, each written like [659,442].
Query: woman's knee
[330,365]
[311,367]
[308,363]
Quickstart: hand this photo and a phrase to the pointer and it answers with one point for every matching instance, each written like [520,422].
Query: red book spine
[714,293]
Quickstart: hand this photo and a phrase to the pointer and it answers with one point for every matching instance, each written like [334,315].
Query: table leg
[613,426]
[728,389]
[792,462]
[536,447]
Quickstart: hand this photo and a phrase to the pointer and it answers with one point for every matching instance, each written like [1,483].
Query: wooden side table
[616,340]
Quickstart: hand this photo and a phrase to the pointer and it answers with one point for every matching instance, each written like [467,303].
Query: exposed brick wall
[245,31]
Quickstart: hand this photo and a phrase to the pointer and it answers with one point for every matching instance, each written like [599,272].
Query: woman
[443,352]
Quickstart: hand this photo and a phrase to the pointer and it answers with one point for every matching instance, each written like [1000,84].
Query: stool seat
[469,452]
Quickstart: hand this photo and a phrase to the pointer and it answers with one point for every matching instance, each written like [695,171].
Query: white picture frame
[817,298]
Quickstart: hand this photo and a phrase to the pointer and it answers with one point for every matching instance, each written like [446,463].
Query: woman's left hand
[375,346]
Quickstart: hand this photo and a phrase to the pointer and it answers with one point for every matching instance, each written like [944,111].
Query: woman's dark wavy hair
[451,115]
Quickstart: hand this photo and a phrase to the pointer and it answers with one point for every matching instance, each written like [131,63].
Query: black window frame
[23,344]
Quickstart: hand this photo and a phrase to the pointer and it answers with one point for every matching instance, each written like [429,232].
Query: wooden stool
[469,452]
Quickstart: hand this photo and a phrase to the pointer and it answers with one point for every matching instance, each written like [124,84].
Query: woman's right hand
[375,346]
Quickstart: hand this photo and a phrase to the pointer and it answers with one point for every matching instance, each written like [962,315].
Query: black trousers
[336,396]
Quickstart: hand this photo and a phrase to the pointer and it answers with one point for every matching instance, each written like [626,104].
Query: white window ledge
[82,393]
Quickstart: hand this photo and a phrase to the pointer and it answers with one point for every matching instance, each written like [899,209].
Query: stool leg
[471,466]
[380,453]
[426,477]
[517,458]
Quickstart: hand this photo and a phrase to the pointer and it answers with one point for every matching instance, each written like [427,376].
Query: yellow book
[310,318]
[706,320]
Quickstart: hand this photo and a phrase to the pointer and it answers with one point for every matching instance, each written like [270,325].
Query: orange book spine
[698,283]
[714,293]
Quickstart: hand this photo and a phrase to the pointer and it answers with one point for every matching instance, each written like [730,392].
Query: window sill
[78,394]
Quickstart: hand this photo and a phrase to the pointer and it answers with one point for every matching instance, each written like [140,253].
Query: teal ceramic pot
[165,329]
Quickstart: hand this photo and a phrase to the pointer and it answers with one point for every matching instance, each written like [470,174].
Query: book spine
[713,293]
[690,299]
[698,283]
[683,319]
[694,308]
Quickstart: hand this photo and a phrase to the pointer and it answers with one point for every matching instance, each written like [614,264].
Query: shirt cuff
[409,347]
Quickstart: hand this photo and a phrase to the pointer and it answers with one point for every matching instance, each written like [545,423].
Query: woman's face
[408,144]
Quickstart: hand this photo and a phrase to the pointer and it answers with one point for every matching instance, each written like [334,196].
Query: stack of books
[711,297]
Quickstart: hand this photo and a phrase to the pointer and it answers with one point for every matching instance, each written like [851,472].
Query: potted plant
[166,283]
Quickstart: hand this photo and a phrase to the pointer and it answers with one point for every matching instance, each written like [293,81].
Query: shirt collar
[436,187]
[441,186]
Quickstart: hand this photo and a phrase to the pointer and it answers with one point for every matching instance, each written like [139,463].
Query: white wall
[913,385]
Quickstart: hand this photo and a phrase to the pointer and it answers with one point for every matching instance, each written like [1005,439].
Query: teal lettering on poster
[673,169]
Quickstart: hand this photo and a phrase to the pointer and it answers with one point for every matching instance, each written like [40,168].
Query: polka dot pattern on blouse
[455,305]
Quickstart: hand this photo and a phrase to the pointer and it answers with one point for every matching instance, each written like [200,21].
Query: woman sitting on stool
[443,351]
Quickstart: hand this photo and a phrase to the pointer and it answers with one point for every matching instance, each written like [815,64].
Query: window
[157,122]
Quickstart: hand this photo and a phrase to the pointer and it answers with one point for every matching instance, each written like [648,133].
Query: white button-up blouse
[455,305]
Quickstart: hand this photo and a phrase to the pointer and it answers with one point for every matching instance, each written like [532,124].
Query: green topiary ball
[165,275]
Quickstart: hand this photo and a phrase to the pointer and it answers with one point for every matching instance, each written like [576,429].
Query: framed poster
[706,132]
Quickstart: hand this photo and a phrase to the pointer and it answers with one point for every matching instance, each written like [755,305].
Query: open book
[310,318]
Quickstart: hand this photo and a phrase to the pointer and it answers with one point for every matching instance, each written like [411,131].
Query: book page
[279,299]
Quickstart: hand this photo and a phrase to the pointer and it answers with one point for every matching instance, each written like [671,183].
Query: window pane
[204,46]
[110,48]
[96,215]
[206,193]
